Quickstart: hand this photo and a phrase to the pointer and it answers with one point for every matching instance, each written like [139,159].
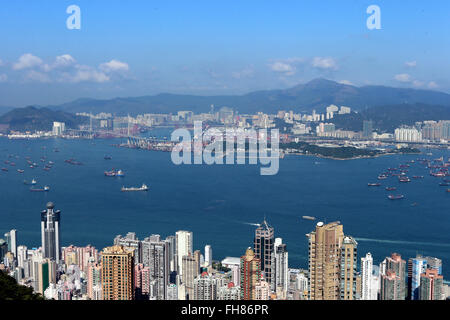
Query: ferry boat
[119,173]
[45,189]
[374,184]
[391,188]
[395,197]
[142,188]
[308,218]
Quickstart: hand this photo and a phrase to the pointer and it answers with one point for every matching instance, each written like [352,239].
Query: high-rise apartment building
[324,261]
[393,284]
[348,267]
[369,282]
[191,268]
[141,282]
[431,285]
[94,280]
[263,248]
[416,266]
[184,247]
[50,219]
[118,273]
[250,274]
[280,274]
[208,255]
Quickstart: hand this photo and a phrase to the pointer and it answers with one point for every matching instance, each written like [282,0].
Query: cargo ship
[142,188]
[45,189]
[395,197]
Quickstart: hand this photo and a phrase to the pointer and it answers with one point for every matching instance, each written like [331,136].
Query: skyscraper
[348,265]
[263,248]
[208,255]
[416,266]
[280,274]
[368,292]
[159,266]
[118,273]
[393,284]
[191,269]
[431,285]
[324,261]
[50,232]
[184,247]
[11,240]
[250,274]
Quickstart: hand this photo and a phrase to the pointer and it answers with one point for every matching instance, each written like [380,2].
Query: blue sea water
[221,203]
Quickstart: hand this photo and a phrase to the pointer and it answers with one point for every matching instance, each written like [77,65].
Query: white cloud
[324,63]
[411,64]
[85,73]
[432,85]
[33,75]
[3,77]
[283,67]
[417,83]
[113,66]
[64,60]
[403,77]
[27,60]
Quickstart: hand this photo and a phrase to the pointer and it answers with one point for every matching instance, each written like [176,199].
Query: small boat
[418,177]
[4,169]
[142,188]
[382,177]
[12,164]
[20,171]
[404,179]
[111,173]
[45,189]
[448,190]
[444,184]
[391,188]
[395,197]
[119,173]
[308,218]
[374,184]
[33,182]
[107,157]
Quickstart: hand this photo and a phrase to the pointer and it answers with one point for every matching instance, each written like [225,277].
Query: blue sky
[132,48]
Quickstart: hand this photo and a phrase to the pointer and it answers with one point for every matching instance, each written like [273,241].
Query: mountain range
[316,94]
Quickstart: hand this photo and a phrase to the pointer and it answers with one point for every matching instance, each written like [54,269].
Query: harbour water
[222,203]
